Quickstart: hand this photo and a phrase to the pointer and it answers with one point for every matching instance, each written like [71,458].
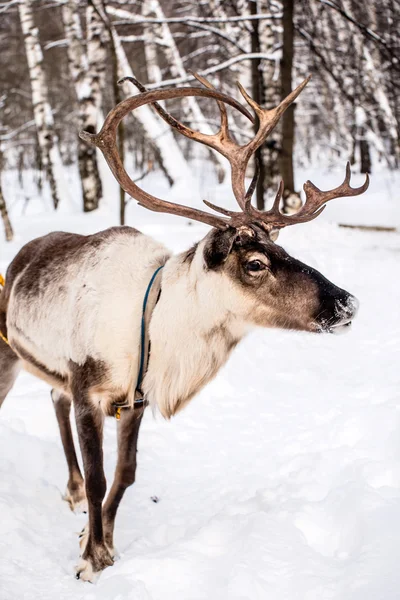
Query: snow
[281,480]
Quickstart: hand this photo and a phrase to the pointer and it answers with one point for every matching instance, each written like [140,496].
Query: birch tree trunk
[8,230]
[88,102]
[92,100]
[47,140]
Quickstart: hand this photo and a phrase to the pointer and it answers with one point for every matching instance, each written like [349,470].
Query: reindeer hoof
[115,555]
[90,568]
[76,498]
[84,571]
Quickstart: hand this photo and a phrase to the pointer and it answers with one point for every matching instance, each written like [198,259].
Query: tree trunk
[48,145]
[269,39]
[90,105]
[83,79]
[365,156]
[291,200]
[8,230]
[257,85]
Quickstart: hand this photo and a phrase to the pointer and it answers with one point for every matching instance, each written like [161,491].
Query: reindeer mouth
[336,328]
[340,328]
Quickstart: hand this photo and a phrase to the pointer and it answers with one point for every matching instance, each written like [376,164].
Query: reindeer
[72,313]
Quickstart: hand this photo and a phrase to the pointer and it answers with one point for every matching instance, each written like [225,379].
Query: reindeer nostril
[347,308]
[353,304]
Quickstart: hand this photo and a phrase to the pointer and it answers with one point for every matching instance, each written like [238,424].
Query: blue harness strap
[143,334]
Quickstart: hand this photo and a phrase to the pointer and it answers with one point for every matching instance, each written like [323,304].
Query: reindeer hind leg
[85,382]
[75,493]
[9,369]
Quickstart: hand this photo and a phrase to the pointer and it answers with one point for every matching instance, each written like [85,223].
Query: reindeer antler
[316,200]
[237,155]
[105,140]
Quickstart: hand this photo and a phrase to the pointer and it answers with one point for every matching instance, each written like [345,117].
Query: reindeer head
[272,289]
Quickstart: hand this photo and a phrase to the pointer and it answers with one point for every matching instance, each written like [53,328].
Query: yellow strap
[2,284]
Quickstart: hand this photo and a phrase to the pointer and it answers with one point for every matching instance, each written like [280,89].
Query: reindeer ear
[218,247]
[273,235]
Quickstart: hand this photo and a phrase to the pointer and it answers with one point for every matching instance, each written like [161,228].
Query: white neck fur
[198,320]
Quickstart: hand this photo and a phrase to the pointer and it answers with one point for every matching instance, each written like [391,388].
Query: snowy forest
[61,62]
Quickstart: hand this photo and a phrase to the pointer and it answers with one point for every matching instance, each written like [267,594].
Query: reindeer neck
[192,331]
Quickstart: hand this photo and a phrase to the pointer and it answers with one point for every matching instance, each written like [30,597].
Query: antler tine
[223,211]
[224,130]
[252,186]
[268,120]
[268,117]
[272,218]
[278,198]
[315,198]
[247,205]
[168,118]
[314,205]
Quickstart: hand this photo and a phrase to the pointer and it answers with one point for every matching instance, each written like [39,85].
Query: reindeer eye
[255,265]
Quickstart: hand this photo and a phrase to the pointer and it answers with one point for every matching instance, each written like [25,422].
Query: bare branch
[365,30]
[214,69]
[139,20]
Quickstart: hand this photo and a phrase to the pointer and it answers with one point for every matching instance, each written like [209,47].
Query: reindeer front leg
[89,421]
[125,472]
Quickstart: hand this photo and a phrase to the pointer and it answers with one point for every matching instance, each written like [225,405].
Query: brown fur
[9,367]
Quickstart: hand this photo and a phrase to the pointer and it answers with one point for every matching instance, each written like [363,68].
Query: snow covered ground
[280,481]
